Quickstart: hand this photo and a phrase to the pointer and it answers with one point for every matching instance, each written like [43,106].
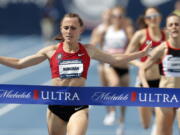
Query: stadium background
[23,16]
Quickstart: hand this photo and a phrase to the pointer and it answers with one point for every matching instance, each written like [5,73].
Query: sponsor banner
[116,96]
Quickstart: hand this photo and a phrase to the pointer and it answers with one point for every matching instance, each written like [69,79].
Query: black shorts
[121,71]
[65,112]
[153,83]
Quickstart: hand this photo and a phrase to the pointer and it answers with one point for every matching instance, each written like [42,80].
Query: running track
[31,119]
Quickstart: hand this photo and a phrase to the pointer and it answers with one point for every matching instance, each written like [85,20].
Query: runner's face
[117,17]
[173,26]
[71,29]
[152,18]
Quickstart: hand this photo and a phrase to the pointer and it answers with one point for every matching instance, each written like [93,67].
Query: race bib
[70,68]
[172,66]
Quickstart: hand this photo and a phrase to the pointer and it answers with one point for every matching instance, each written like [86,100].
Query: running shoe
[153,130]
[109,119]
[120,129]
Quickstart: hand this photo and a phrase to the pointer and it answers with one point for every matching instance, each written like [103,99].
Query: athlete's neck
[117,27]
[175,42]
[70,47]
[154,31]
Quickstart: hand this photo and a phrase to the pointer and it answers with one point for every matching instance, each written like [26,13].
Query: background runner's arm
[97,37]
[23,62]
[134,46]
[129,28]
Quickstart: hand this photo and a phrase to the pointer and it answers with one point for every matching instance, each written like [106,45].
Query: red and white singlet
[69,65]
[154,43]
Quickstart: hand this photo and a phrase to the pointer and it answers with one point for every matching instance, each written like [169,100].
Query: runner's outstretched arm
[26,61]
[117,59]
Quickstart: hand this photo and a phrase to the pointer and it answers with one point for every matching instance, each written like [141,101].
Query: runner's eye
[176,24]
[171,24]
[66,28]
[70,27]
[73,28]
[117,16]
[152,16]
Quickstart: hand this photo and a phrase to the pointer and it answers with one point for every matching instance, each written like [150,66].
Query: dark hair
[70,15]
[141,20]
[59,37]
[74,15]
[141,23]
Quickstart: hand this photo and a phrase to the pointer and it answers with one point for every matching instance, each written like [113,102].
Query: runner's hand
[148,48]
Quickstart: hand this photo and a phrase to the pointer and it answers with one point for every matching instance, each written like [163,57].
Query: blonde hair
[120,8]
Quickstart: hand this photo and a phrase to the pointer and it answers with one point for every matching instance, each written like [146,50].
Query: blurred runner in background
[114,35]
[150,32]
[48,22]
[168,55]
[97,39]
[177,8]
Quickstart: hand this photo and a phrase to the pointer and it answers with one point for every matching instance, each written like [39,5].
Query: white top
[115,40]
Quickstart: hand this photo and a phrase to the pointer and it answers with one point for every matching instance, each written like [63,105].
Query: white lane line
[18,73]
[9,107]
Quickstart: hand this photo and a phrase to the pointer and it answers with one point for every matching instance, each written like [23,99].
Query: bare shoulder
[49,48]
[48,51]
[141,32]
[138,35]
[141,35]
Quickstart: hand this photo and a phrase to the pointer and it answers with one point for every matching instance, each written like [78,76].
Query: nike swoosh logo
[81,54]
[78,108]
